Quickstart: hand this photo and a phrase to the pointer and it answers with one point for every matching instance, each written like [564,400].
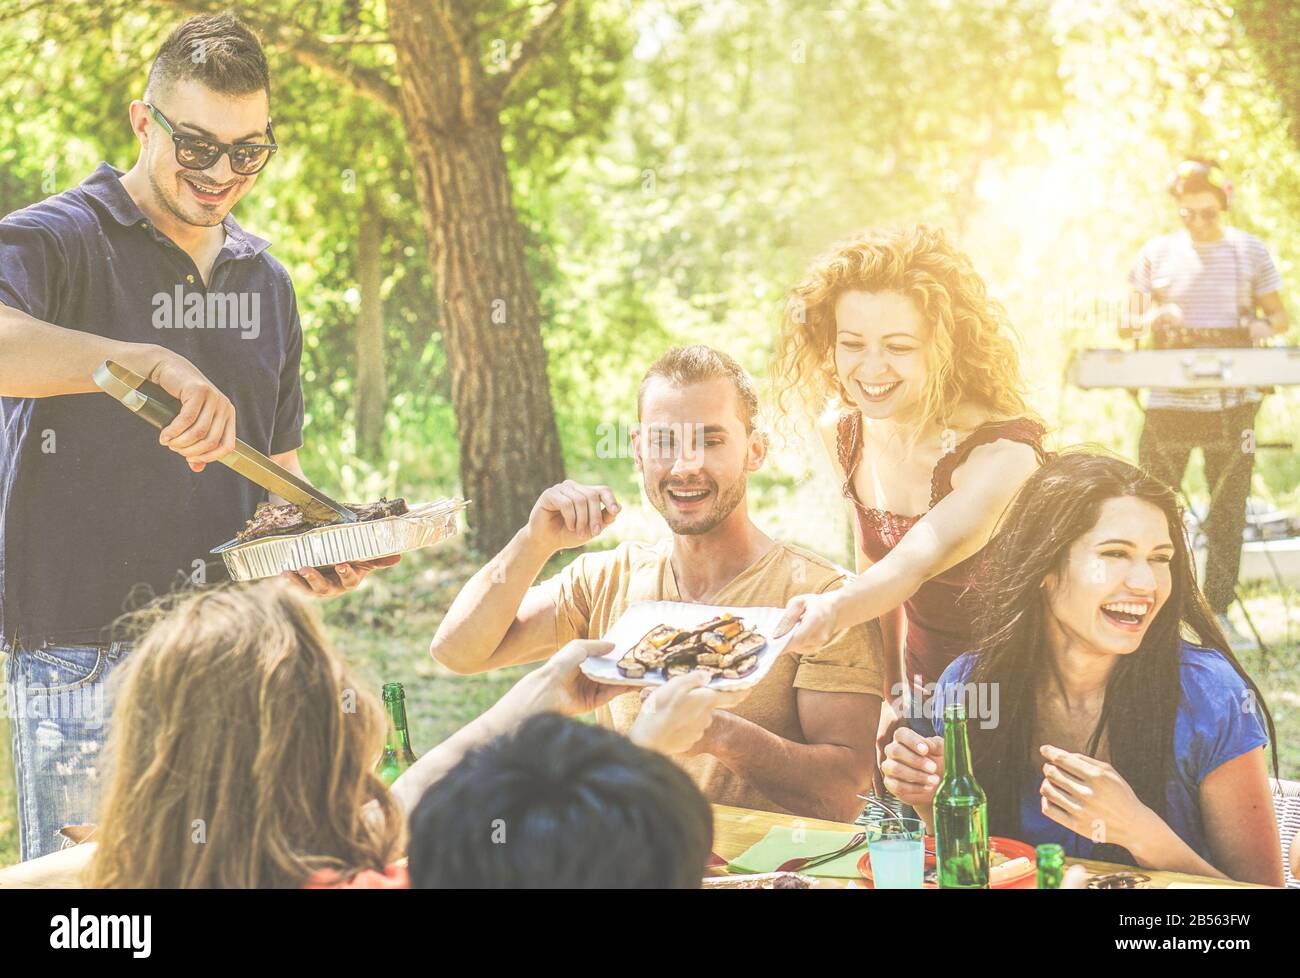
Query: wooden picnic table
[736,829]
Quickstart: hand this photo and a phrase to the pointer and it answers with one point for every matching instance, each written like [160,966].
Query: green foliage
[676,164]
[1273,27]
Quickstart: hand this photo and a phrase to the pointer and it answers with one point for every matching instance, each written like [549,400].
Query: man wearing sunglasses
[95,513]
[1206,285]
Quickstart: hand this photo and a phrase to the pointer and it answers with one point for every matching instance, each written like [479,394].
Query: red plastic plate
[1011,848]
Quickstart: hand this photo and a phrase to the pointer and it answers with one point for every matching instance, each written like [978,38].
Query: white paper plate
[643,616]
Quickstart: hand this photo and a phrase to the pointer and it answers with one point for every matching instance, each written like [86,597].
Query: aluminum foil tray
[340,543]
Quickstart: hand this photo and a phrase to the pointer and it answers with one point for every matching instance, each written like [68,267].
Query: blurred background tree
[1273,27]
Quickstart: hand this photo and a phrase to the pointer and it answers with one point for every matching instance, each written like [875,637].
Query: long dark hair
[1057,505]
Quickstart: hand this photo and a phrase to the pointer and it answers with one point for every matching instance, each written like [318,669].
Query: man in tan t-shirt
[803,741]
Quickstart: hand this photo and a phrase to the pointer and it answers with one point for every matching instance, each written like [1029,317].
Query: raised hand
[571,514]
[1090,798]
[912,769]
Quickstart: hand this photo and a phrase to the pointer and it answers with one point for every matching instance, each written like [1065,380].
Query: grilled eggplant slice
[648,656]
[661,636]
[631,668]
[742,668]
[748,642]
[682,655]
[713,624]
[716,641]
[731,628]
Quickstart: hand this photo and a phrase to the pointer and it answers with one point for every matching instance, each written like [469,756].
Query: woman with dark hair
[1095,723]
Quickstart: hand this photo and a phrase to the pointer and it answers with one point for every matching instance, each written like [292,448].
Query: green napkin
[780,845]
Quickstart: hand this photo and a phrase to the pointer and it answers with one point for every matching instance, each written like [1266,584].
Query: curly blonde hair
[971,354]
[241,752]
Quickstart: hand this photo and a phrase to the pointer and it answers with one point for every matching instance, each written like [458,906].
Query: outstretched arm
[960,525]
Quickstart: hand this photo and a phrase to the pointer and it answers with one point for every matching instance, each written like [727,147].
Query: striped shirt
[1212,283]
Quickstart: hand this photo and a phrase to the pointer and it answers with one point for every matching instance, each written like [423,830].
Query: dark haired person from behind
[1112,735]
[561,804]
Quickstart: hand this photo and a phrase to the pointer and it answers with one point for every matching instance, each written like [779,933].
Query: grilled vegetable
[722,647]
[631,668]
[748,642]
[742,668]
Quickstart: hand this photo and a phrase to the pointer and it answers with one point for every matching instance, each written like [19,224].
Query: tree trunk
[372,384]
[1271,28]
[491,324]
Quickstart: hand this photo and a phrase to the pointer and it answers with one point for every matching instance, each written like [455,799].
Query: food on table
[1119,881]
[280,519]
[759,881]
[1003,870]
[722,646]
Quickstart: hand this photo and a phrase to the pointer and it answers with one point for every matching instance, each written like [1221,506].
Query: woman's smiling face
[880,355]
[1116,578]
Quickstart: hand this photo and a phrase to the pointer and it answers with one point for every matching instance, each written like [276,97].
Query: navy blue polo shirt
[95,514]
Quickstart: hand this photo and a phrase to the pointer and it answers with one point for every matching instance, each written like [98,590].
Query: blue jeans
[58,713]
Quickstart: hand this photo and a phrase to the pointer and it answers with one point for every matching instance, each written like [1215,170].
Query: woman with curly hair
[892,339]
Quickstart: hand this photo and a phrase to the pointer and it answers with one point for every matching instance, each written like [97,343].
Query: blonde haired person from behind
[244,751]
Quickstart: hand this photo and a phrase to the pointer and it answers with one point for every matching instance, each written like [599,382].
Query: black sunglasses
[1206,214]
[199,152]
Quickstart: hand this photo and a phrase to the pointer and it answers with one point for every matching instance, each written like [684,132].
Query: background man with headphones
[1206,285]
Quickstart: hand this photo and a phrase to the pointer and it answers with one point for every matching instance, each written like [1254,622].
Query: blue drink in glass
[897,848]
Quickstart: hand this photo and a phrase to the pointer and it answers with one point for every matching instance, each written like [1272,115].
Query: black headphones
[1205,172]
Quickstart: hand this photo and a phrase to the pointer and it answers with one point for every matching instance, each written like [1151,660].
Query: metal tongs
[150,402]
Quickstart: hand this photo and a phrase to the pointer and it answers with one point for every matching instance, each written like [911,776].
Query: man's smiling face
[694,452]
[202,198]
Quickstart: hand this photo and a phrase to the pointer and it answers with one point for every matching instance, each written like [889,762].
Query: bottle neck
[956,748]
[397,739]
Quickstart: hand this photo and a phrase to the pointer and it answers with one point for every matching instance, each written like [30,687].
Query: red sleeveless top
[939,625]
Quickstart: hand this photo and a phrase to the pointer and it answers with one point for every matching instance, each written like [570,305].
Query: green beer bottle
[961,811]
[397,756]
[1051,866]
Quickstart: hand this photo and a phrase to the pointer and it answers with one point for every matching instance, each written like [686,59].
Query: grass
[384,630]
